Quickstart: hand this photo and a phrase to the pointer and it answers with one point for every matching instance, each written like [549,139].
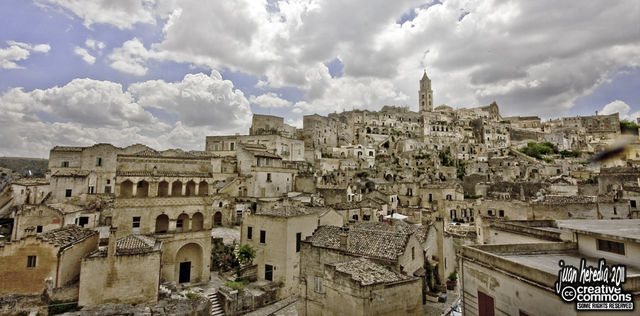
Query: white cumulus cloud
[18,51]
[82,52]
[270,100]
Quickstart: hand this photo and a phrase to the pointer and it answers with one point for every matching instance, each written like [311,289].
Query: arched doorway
[162,223]
[189,263]
[197,221]
[176,188]
[126,189]
[217,219]
[163,188]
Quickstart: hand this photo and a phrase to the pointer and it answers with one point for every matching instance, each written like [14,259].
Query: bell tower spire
[425,94]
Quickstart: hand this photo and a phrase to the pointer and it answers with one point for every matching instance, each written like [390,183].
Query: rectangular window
[249,232]
[98,161]
[65,164]
[31,261]
[318,287]
[298,239]
[611,246]
[263,236]
[67,193]
[92,190]
[108,181]
[501,213]
[268,177]
[136,222]
[107,189]
[268,272]
[633,203]
[39,229]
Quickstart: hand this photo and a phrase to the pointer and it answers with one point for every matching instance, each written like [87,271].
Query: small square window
[65,164]
[67,193]
[99,162]
[136,222]
[31,261]
[39,229]
[501,213]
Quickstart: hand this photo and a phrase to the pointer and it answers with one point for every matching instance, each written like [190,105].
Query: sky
[167,73]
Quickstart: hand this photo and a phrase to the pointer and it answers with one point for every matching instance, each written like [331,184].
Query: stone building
[42,218]
[29,190]
[360,287]
[167,196]
[128,271]
[276,233]
[27,263]
[334,262]
[519,279]
[270,125]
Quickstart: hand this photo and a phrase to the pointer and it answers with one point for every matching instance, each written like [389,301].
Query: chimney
[111,248]
[344,238]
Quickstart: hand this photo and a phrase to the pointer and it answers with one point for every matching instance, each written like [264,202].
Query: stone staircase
[216,308]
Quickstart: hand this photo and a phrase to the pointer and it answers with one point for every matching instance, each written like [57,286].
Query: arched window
[163,188]
[142,189]
[176,188]
[191,188]
[203,188]
[162,223]
[197,222]
[126,189]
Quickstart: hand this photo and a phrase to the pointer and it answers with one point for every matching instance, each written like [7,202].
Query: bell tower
[425,94]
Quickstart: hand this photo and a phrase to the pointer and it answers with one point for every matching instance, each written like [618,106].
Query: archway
[176,188]
[126,189]
[163,188]
[217,219]
[189,263]
[162,223]
[142,189]
[182,224]
[191,188]
[197,221]
[203,188]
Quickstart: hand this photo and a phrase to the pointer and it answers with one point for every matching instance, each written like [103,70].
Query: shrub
[237,285]
[453,276]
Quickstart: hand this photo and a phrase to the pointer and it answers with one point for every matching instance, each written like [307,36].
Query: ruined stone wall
[120,279]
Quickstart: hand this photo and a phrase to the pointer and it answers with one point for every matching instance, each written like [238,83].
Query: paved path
[280,308]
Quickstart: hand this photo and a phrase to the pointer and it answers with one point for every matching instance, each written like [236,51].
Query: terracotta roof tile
[367,272]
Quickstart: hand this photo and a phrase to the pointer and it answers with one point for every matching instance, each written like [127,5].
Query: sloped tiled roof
[135,244]
[367,272]
[419,231]
[368,243]
[67,236]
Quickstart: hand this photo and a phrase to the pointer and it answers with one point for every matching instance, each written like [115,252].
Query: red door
[485,304]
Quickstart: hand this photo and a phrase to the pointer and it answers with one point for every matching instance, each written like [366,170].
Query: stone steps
[216,308]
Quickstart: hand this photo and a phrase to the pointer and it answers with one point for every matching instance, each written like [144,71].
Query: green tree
[246,254]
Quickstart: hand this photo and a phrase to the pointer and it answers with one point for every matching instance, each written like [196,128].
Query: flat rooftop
[627,229]
[549,262]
